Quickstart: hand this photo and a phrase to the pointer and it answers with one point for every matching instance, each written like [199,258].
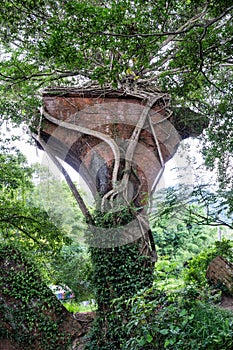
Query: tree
[29,225]
[71,266]
[200,205]
[178,236]
[43,234]
[54,196]
[181,48]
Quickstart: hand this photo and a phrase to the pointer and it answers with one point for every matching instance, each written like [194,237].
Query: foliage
[117,272]
[53,195]
[178,236]
[128,269]
[68,31]
[21,222]
[184,316]
[73,306]
[72,268]
[173,274]
[193,206]
[168,274]
[31,316]
[181,47]
[15,173]
[217,204]
[185,233]
[178,239]
[39,232]
[175,321]
[181,318]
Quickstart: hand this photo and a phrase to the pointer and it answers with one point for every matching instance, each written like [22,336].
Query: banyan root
[122,187]
[106,138]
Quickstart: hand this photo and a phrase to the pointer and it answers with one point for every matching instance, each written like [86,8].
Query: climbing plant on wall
[31,317]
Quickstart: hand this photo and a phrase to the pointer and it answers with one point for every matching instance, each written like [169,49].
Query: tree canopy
[182,47]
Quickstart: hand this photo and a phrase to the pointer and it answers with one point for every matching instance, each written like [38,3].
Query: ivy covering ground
[31,316]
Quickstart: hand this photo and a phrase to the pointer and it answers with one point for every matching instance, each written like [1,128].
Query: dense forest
[149,262]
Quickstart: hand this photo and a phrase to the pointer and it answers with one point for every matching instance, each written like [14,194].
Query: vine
[31,316]
[93,133]
[122,187]
[117,272]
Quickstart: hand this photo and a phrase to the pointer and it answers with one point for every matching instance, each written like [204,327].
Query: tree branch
[210,221]
[8,221]
[77,196]
[185,27]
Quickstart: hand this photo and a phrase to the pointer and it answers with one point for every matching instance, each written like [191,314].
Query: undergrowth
[178,313]
[175,321]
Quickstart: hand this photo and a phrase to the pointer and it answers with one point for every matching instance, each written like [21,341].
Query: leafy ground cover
[177,321]
[182,311]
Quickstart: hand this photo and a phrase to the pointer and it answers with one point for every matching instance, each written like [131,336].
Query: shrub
[173,322]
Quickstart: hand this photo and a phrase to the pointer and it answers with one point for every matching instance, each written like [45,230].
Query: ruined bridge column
[118,143]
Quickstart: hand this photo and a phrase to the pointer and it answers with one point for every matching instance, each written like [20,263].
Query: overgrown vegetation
[174,316]
[175,320]
[31,317]
[116,273]
[71,265]
[177,313]
[54,243]
[197,266]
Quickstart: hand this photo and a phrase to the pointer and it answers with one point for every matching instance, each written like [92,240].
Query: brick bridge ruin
[119,143]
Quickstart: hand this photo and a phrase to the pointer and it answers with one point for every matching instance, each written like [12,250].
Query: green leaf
[149,338]
[164,331]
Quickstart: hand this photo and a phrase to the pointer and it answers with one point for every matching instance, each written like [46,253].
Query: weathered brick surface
[117,118]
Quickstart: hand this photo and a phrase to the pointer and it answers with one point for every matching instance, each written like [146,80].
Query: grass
[73,307]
